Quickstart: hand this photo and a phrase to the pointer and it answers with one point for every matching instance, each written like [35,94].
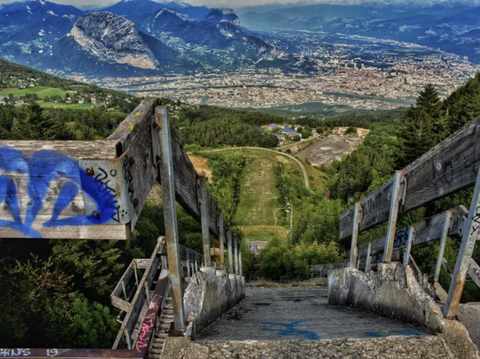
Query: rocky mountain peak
[223,15]
[113,38]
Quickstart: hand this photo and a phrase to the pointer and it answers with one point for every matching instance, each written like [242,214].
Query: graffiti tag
[42,169]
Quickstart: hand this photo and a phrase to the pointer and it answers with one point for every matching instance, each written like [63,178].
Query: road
[300,164]
[299,313]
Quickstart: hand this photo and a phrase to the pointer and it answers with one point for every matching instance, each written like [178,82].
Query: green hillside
[19,84]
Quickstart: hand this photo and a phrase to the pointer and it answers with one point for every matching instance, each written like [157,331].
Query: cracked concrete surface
[299,313]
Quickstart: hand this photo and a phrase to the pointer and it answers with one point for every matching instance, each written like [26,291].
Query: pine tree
[418,134]
[424,125]
[34,125]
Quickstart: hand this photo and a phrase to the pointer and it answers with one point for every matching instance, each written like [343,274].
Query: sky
[237,3]
[213,3]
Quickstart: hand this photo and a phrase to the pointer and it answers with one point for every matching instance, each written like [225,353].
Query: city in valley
[342,81]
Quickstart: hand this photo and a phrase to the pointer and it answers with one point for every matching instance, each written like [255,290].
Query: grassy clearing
[41,91]
[258,195]
[264,233]
[75,106]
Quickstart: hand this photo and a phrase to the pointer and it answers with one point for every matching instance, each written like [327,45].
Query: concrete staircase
[163,327]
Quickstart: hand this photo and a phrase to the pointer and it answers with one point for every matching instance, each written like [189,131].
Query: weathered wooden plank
[93,150]
[213,216]
[447,168]
[375,208]
[425,231]
[185,179]
[135,142]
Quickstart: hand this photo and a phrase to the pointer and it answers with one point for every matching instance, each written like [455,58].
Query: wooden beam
[168,176]
[448,168]
[426,231]
[353,247]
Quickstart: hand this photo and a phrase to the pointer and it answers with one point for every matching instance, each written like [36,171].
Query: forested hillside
[390,145]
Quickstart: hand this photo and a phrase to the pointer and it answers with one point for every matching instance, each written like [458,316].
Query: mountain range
[132,37]
[451,26]
[144,37]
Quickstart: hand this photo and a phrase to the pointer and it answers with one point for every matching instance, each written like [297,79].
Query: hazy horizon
[243,3]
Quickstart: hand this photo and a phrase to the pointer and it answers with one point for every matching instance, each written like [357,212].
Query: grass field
[260,214]
[264,233]
[258,195]
[41,91]
[75,106]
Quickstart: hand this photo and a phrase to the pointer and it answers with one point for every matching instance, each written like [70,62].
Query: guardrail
[448,168]
[97,189]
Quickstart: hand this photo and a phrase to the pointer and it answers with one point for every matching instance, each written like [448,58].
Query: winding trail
[302,167]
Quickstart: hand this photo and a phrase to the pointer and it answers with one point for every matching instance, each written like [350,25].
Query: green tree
[424,125]
[34,125]
[94,263]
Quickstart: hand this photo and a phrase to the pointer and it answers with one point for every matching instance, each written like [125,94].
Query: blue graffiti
[42,168]
[290,329]
[406,332]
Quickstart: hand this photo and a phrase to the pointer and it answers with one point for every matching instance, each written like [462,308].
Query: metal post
[188,264]
[240,258]
[470,236]
[411,238]
[202,187]
[291,224]
[135,272]
[443,241]
[368,260]
[127,339]
[147,292]
[235,248]
[196,263]
[221,230]
[230,251]
[170,215]
[392,220]
[124,291]
[356,223]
